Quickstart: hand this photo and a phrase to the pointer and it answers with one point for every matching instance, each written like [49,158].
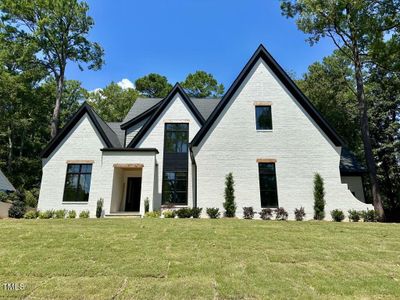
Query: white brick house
[179,150]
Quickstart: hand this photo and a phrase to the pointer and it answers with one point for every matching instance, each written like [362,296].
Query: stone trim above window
[80,161]
[262,103]
[266,160]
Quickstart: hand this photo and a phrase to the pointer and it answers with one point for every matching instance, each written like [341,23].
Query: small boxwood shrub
[31,214]
[281,214]
[60,214]
[196,212]
[3,196]
[299,214]
[153,214]
[213,212]
[369,215]
[17,209]
[46,214]
[266,214]
[354,215]
[99,208]
[337,215]
[169,214]
[31,197]
[184,212]
[248,213]
[71,214]
[84,214]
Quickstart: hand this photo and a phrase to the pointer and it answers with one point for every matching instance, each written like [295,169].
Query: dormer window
[263,117]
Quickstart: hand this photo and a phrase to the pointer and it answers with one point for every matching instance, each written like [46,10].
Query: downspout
[194,175]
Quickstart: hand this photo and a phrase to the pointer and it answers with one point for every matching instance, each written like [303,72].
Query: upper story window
[268,187]
[77,182]
[176,137]
[263,118]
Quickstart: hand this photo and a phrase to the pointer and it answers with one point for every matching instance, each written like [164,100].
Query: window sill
[76,202]
[264,130]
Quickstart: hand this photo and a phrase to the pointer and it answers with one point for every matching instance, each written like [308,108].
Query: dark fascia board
[140,117]
[84,109]
[262,53]
[130,150]
[177,89]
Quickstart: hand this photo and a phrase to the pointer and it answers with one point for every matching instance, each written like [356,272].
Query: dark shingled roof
[349,164]
[5,184]
[116,127]
[110,133]
[204,105]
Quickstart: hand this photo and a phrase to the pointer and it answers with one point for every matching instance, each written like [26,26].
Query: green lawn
[204,259]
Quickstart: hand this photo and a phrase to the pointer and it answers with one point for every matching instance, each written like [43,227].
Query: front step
[124,215]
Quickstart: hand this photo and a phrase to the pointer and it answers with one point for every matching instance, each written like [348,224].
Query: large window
[176,137]
[263,118]
[77,183]
[268,189]
[175,186]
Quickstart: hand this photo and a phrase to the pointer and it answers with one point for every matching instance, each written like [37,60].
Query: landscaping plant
[369,215]
[354,215]
[281,214]
[47,214]
[31,214]
[337,215]
[184,212]
[319,197]
[169,214]
[213,212]
[84,214]
[196,212]
[146,205]
[17,209]
[71,214]
[248,213]
[99,208]
[153,214]
[299,214]
[266,214]
[60,214]
[229,204]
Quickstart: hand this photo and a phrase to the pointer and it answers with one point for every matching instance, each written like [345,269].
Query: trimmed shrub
[31,197]
[153,214]
[248,213]
[281,214]
[169,214]
[266,214]
[60,214]
[229,204]
[71,214]
[196,212]
[319,197]
[184,212]
[84,214]
[99,208]
[369,215]
[17,209]
[354,215]
[146,205]
[3,196]
[31,214]
[47,214]
[299,214]
[213,212]
[337,215]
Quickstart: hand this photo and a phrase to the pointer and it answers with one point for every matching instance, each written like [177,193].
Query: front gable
[262,57]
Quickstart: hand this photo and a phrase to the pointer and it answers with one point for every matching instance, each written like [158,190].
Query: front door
[133,189]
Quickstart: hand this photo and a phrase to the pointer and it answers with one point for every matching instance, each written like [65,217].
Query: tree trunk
[369,157]
[10,150]
[55,121]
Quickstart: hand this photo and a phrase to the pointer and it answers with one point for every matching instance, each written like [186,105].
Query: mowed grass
[199,259]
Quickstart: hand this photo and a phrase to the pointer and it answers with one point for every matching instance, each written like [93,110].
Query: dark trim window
[77,183]
[263,118]
[268,188]
[175,188]
[176,137]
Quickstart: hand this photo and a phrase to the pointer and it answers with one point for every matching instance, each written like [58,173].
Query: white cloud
[126,84]
[96,90]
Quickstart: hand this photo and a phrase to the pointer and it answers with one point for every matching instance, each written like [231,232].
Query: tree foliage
[153,86]
[202,85]
[113,102]
[57,30]
[229,204]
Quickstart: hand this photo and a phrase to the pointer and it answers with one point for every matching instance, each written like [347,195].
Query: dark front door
[134,187]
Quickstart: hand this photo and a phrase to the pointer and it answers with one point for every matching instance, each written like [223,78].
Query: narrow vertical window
[263,118]
[268,187]
[77,183]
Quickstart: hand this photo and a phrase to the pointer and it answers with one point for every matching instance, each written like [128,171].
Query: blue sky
[177,37]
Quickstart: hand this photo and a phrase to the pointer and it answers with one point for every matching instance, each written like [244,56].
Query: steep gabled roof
[107,134]
[262,53]
[177,89]
[5,184]
[145,114]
